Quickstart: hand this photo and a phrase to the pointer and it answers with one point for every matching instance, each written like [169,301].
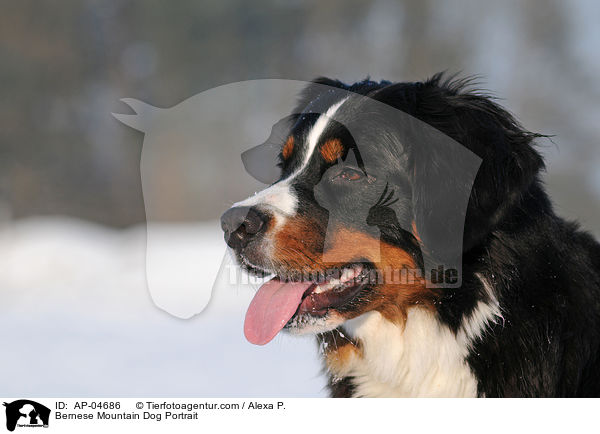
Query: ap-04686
[93,405]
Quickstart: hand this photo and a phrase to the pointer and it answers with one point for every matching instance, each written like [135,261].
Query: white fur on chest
[423,359]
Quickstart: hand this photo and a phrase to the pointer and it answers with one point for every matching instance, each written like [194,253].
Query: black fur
[544,271]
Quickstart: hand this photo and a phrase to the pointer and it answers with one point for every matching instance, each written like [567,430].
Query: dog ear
[509,162]
[442,174]
[469,164]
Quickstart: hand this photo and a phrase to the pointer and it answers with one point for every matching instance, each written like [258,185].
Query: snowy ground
[78,320]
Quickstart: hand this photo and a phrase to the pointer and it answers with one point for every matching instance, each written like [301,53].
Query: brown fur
[340,351]
[298,246]
[332,150]
[288,148]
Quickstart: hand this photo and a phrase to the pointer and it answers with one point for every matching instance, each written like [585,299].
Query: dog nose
[241,224]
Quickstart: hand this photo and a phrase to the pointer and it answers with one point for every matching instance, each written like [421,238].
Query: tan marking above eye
[332,150]
[288,148]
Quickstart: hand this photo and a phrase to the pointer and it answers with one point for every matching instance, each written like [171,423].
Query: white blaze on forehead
[317,131]
[280,197]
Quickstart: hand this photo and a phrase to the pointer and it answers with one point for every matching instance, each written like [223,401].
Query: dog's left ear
[509,163]
[470,163]
[442,173]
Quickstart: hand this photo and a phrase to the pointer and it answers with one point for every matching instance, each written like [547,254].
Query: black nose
[241,224]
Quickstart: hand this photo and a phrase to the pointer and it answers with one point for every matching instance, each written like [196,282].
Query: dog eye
[348,174]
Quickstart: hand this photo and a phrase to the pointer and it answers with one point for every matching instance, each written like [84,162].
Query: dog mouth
[278,301]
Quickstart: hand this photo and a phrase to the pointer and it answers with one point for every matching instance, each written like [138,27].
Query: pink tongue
[271,308]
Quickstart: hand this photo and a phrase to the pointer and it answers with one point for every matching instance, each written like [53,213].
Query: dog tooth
[347,274]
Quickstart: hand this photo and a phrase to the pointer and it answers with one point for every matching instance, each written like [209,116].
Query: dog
[519,316]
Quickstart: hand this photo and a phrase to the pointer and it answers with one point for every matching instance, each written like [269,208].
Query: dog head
[364,201]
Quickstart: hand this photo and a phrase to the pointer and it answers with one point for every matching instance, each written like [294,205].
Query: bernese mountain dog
[359,193]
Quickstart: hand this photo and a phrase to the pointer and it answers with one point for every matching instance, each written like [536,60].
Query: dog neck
[420,358]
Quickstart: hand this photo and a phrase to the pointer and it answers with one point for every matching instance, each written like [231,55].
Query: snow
[78,320]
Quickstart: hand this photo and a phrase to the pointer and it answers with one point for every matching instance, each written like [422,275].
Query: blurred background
[71,207]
